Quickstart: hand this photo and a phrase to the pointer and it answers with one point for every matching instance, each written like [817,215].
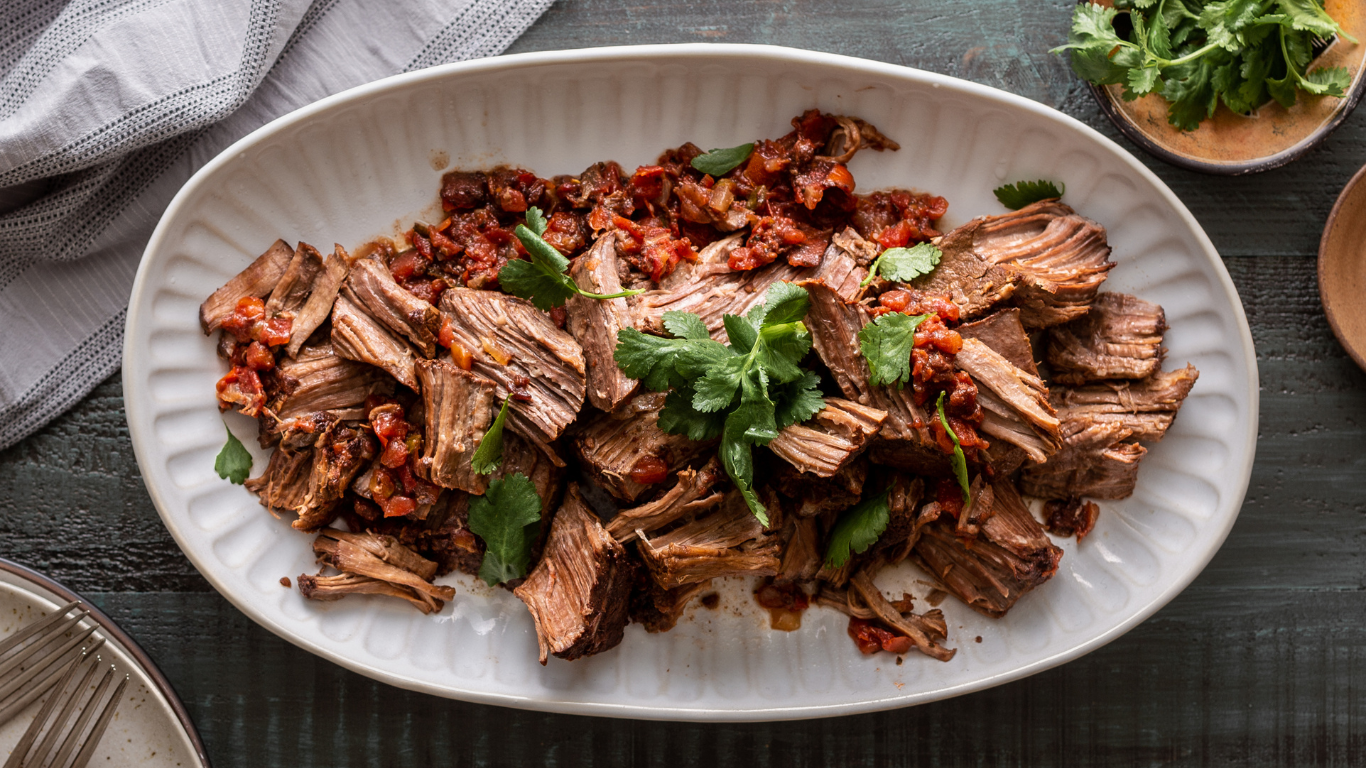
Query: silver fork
[33,659]
[61,734]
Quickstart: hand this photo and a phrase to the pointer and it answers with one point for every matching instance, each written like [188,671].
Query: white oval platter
[367,162]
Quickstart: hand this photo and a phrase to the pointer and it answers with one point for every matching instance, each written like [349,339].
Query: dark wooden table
[1262,661]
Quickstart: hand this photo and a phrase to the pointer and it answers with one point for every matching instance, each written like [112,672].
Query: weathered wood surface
[1261,662]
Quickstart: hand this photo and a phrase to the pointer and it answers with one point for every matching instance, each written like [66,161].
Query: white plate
[150,727]
[365,163]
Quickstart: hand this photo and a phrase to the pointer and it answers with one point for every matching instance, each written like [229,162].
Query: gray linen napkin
[107,107]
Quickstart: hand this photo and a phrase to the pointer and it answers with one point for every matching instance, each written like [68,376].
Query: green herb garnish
[960,462]
[508,518]
[543,279]
[744,392]
[489,455]
[886,344]
[1197,52]
[858,529]
[904,264]
[234,461]
[720,162]
[1021,193]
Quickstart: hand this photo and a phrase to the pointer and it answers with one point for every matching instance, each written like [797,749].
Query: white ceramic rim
[697,51]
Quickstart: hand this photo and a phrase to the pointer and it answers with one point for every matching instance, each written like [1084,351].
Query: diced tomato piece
[398,506]
[871,638]
[895,236]
[647,185]
[933,334]
[245,315]
[559,316]
[865,636]
[389,426]
[395,454]
[428,290]
[895,300]
[896,644]
[275,331]
[444,246]
[563,234]
[948,493]
[241,387]
[421,244]
[258,357]
[649,470]
[406,264]
[406,478]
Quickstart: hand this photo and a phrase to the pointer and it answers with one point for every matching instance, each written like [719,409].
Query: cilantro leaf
[1091,43]
[535,220]
[904,264]
[539,279]
[720,162]
[1141,82]
[886,344]
[508,518]
[744,428]
[797,400]
[543,278]
[685,325]
[1309,16]
[960,462]
[743,392]
[1191,94]
[858,529]
[234,461]
[489,455]
[743,332]
[783,303]
[1328,81]
[716,389]
[1197,54]
[679,417]
[662,363]
[1021,193]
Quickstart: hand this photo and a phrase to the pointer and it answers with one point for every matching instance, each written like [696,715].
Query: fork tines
[33,659]
[64,722]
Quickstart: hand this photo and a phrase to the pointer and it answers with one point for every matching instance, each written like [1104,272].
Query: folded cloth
[107,107]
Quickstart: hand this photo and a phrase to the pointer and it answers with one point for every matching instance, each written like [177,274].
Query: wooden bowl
[1342,268]
[1230,144]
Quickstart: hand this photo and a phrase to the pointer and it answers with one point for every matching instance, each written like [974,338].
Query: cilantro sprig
[960,462]
[1198,52]
[744,392]
[886,344]
[234,461]
[489,455]
[858,529]
[720,162]
[1021,193]
[544,278]
[508,518]
[903,264]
